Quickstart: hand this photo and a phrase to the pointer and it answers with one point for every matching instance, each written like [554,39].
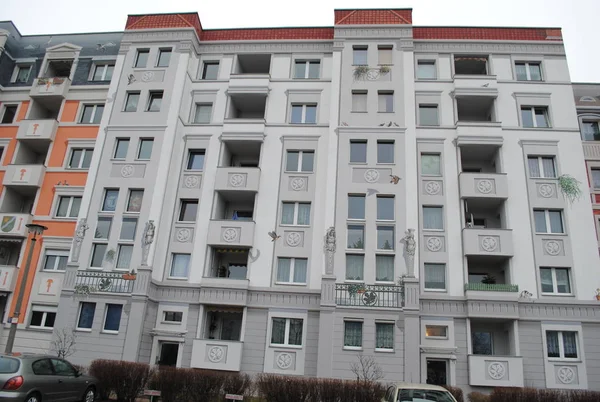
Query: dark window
[110,200]
[134,204]
[42,367]
[155,101]
[10,112]
[210,70]
[173,316]
[189,209]
[86,315]
[62,367]
[98,252]
[81,158]
[196,159]
[113,317]
[92,114]
[141,59]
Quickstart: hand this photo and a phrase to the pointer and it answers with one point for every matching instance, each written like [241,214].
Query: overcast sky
[579,19]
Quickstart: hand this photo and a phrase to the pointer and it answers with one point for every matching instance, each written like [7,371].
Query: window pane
[203,113]
[307,161]
[314,69]
[76,155]
[386,102]
[385,208]
[360,56]
[164,57]
[189,210]
[541,117]
[300,266]
[521,70]
[113,317]
[284,266]
[142,58]
[98,114]
[300,69]
[356,236]
[36,318]
[304,213]
[353,333]
[131,104]
[121,148]
[428,115]
[385,237]
[291,164]
[546,277]
[88,111]
[359,101]
[430,164]
[548,166]
[435,276]
[145,149]
[426,70]
[552,344]
[23,74]
[385,152]
[563,284]
[196,160]
[356,207]
[384,335]
[596,178]
[110,200]
[355,267]
[436,331]
[311,114]
[63,206]
[534,166]
[128,229]
[384,268]
[295,337]
[87,158]
[86,315]
[482,343]
[124,258]
[75,204]
[155,102]
[570,344]
[296,114]
[287,213]
[134,204]
[179,269]
[50,319]
[50,263]
[433,218]
[109,72]
[385,55]
[102,228]
[535,72]
[527,117]
[358,151]
[556,225]
[540,221]
[278,331]
[211,71]
[98,255]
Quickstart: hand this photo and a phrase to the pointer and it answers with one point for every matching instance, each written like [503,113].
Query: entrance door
[168,354]
[437,372]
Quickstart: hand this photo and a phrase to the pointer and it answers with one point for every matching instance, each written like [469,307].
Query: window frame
[120,247]
[364,213]
[186,202]
[437,337]
[166,312]
[296,212]
[548,222]
[203,70]
[5,106]
[354,253]
[389,48]
[69,208]
[84,152]
[139,150]
[389,93]
[386,323]
[161,51]
[305,107]
[362,333]
[540,161]
[555,291]
[385,255]
[17,70]
[423,106]
[291,276]
[54,252]
[391,143]
[129,219]
[286,336]
[588,120]
[80,310]
[445,269]
[360,92]
[560,330]
[307,63]
[355,227]
[533,110]
[93,254]
[45,310]
[129,198]
[136,60]
[356,141]
[386,196]
[202,104]
[94,107]
[385,229]
[172,264]
[301,153]
[528,65]
[104,198]
[437,207]
[152,97]
[426,62]
[106,308]
[118,142]
[103,218]
[104,67]
[190,153]
[128,96]
[360,48]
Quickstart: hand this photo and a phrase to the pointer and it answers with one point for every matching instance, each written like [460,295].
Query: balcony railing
[492,287]
[104,282]
[360,295]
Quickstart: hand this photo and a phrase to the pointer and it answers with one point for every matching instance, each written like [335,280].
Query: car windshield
[424,395]
[8,365]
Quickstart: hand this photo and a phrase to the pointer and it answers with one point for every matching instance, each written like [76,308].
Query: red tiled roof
[153,21]
[268,34]
[481,33]
[373,17]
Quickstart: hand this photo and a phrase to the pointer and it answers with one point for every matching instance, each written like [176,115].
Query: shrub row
[126,380]
[456,392]
[541,395]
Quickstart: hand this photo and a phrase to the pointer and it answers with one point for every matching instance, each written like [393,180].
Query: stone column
[412,331]
[326,319]
[136,311]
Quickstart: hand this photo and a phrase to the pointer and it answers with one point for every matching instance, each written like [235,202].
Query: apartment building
[52,95]
[284,200]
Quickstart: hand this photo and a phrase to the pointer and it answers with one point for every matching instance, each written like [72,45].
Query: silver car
[405,392]
[36,378]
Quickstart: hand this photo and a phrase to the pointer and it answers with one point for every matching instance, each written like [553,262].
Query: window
[528,71]
[287,331]
[384,268]
[356,207]
[299,161]
[154,101]
[428,115]
[164,58]
[304,114]
[358,151]
[385,237]
[110,200]
[385,208]
[353,334]
[56,260]
[356,237]
[103,228]
[562,344]
[92,114]
[548,219]
[203,113]
[307,69]
[179,266]
[141,59]
[555,280]
[359,101]
[10,112]
[195,159]
[596,178]
[103,72]
[590,130]
[81,158]
[121,148]
[68,207]
[426,70]
[172,316]
[112,320]
[436,331]
[541,166]
[42,367]
[134,203]
[384,335]
[291,270]
[433,218]
[131,101]
[128,228]
[295,213]
[63,368]
[145,149]
[86,315]
[210,70]
[359,56]
[98,252]
[42,318]
[534,116]
[384,53]
[355,264]
[386,101]
[435,276]
[188,210]
[22,75]
[482,343]
[385,151]
[124,256]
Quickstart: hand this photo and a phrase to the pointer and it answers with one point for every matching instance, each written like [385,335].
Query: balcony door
[437,371]
[168,354]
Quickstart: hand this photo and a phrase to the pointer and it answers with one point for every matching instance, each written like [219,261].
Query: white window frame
[547,217]
[561,348]
[84,150]
[364,197]
[386,350]
[54,253]
[118,140]
[307,63]
[104,67]
[45,310]
[287,317]
[389,48]
[359,253]
[362,331]
[79,310]
[304,108]
[164,317]
[360,92]
[139,148]
[429,106]
[384,227]
[426,62]
[540,159]
[441,207]
[357,224]
[425,288]
[71,197]
[191,151]
[361,48]
[589,120]
[169,276]
[15,74]
[434,336]
[160,52]
[300,157]
[106,190]
[528,71]
[110,219]
[94,110]
[118,253]
[290,280]
[137,56]
[200,104]
[127,95]
[381,196]
[110,331]
[546,110]
[555,291]
[296,210]
[101,242]
[393,145]
[386,93]
[151,97]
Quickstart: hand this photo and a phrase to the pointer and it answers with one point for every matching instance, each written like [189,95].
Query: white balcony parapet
[496,371]
[216,354]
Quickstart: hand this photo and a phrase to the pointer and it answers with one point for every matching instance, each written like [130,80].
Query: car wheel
[90,395]
[33,398]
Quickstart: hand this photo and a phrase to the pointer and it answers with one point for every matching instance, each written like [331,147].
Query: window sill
[354,281]
[379,111]
[68,168]
[563,360]
[276,345]
[384,350]
[355,250]
[558,294]
[550,234]
[291,225]
[427,125]
[109,332]
[290,284]
[358,163]
[435,290]
[385,251]
[385,163]
[384,282]
[171,322]
[436,338]
[426,79]
[83,329]
[176,278]
[96,268]
[41,329]
[355,348]
[536,128]
[65,218]
[58,271]
[359,111]
[433,230]
[129,111]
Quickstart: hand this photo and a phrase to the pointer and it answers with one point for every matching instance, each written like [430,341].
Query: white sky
[579,19]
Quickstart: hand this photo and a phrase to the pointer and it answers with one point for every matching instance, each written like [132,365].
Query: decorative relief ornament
[566,375]
[127,171]
[434,244]
[485,186]
[297,183]
[284,361]
[496,371]
[293,239]
[432,187]
[183,235]
[191,181]
[489,244]
[148,76]
[230,235]
[216,354]
[552,247]
[546,190]
[371,176]
[236,180]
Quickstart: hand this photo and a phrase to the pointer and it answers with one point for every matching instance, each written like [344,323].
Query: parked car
[36,378]
[405,392]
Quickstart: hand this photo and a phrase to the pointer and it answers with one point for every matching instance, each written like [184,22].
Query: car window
[42,367]
[8,365]
[62,367]
[424,395]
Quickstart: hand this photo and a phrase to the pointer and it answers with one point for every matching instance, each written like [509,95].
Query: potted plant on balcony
[598,294]
[489,279]
[569,187]
[84,290]
[360,72]
[384,69]
[356,288]
[130,276]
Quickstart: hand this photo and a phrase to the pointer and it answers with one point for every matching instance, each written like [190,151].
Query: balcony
[483,185]
[491,287]
[495,371]
[44,129]
[103,282]
[237,179]
[14,224]
[475,82]
[361,295]
[216,354]
[231,233]
[51,87]
[8,278]
[24,176]
[487,242]
[249,83]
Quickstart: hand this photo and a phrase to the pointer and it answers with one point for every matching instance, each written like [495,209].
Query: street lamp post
[35,230]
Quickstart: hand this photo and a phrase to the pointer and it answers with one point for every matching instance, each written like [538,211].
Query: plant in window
[489,279]
[358,244]
[598,294]
[387,245]
[384,69]
[110,255]
[569,187]
[360,72]
[130,276]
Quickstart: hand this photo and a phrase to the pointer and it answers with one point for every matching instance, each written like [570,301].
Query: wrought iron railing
[360,295]
[492,287]
[104,282]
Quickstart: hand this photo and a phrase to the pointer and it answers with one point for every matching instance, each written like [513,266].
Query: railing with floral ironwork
[361,295]
[104,282]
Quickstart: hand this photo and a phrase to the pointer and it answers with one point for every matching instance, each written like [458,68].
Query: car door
[45,381]
[66,377]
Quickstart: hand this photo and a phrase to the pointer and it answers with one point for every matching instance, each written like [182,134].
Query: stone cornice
[185,38]
[373,32]
[268,46]
[496,47]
